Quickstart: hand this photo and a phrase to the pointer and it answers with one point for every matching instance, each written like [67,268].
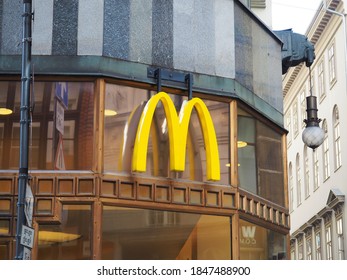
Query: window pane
[163,235]
[61,132]
[260,158]
[259,243]
[71,240]
[121,128]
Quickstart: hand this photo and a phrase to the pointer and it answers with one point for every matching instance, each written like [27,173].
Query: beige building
[316,179]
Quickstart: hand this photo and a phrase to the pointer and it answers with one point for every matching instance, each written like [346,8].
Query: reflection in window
[163,235]
[66,134]
[259,243]
[71,239]
[260,158]
[120,130]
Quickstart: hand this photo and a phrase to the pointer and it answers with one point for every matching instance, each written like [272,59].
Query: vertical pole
[24,123]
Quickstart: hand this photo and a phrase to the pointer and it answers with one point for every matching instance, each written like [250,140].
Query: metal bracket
[172,76]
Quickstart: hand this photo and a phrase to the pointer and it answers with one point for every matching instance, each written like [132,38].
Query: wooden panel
[5,227]
[179,195]
[45,186]
[4,250]
[212,198]
[109,189]
[229,200]
[162,193]
[5,206]
[127,190]
[196,197]
[86,186]
[6,186]
[44,206]
[145,192]
[66,187]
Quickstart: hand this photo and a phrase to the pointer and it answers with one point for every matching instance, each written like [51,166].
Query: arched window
[291,191]
[298,180]
[326,164]
[307,173]
[337,140]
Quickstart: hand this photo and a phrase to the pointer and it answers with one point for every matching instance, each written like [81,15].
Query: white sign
[29,205]
[59,118]
[27,238]
[26,253]
[59,157]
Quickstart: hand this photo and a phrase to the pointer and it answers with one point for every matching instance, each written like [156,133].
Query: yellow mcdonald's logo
[178,131]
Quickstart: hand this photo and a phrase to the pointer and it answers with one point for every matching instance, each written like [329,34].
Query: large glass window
[328,242]
[298,180]
[332,63]
[69,240]
[141,234]
[291,187]
[303,107]
[340,239]
[61,131]
[318,245]
[315,169]
[337,138]
[259,243]
[326,161]
[260,158]
[121,128]
[321,80]
[307,172]
[295,119]
[309,248]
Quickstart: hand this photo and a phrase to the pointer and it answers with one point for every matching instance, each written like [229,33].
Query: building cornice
[313,33]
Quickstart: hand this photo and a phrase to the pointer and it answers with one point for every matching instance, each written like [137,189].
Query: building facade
[114,173]
[316,181]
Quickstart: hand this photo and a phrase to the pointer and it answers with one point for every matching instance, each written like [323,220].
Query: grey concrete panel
[1,11]
[65,20]
[43,27]
[204,25]
[225,38]
[267,67]
[90,27]
[116,28]
[243,48]
[141,31]
[11,35]
[162,36]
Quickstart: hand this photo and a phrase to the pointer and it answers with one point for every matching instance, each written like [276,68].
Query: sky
[295,14]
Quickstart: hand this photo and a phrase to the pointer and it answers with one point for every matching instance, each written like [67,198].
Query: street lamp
[313,135]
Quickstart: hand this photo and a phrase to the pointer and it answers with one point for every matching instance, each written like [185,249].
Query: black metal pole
[24,123]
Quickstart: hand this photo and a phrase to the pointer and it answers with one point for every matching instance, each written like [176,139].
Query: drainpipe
[24,123]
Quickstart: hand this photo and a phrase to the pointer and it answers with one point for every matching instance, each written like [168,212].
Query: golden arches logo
[178,131]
